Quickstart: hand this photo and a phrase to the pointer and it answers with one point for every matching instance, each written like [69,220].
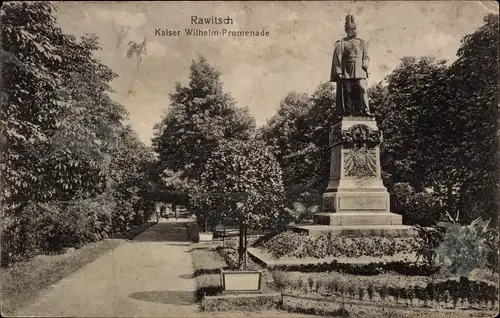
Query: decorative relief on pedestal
[357,134]
[360,162]
[360,156]
[361,135]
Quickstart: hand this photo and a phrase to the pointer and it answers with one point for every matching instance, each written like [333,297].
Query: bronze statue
[350,71]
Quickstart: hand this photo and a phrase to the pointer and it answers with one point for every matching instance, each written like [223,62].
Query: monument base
[357,218]
[356,230]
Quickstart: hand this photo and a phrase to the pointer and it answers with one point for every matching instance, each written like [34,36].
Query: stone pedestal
[356,198]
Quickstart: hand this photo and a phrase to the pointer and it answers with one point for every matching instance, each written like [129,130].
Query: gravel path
[143,277]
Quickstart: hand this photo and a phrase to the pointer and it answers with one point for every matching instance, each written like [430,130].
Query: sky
[259,71]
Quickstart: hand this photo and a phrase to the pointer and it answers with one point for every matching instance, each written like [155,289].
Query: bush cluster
[416,207]
[473,292]
[293,244]
[51,227]
[46,228]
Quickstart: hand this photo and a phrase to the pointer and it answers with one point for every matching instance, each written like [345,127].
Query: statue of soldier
[350,71]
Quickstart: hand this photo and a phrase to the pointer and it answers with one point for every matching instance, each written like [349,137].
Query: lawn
[206,265]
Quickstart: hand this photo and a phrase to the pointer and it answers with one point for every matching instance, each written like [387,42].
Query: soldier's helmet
[350,24]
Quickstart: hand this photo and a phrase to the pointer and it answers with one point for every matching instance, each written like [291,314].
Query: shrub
[230,256]
[298,245]
[300,213]
[492,240]
[306,308]
[421,209]
[310,282]
[50,227]
[400,193]
[464,248]
[428,240]
[30,233]
[122,216]
[284,243]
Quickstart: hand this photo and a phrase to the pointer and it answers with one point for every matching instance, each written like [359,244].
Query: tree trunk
[240,249]
[246,246]
[224,235]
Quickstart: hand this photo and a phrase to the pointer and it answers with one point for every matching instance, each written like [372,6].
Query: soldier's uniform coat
[349,58]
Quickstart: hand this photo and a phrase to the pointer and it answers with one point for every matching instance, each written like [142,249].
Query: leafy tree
[58,123]
[61,137]
[411,113]
[475,89]
[201,116]
[299,135]
[247,181]
[29,114]
[439,124]
[130,184]
[89,125]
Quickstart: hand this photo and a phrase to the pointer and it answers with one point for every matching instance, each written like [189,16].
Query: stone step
[357,230]
[358,218]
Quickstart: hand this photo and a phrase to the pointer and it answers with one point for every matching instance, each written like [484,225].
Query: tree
[299,135]
[58,124]
[61,135]
[201,115]
[130,184]
[88,127]
[411,112]
[475,89]
[415,112]
[29,33]
[439,125]
[247,181]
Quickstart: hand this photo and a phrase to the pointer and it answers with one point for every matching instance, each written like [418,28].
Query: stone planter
[240,281]
[205,237]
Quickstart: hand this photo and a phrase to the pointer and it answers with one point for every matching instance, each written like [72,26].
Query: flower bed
[299,245]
